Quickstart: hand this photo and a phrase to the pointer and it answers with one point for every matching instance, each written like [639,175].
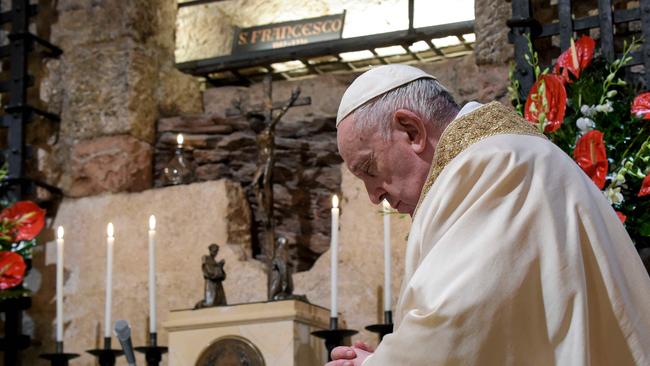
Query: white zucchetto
[376,82]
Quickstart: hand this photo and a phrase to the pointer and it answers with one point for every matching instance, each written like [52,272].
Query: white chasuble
[515,258]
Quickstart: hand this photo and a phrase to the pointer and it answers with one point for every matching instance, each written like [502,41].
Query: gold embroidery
[489,120]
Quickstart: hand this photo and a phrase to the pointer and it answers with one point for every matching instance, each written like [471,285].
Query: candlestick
[59,284]
[334,250]
[152,274]
[387,259]
[110,240]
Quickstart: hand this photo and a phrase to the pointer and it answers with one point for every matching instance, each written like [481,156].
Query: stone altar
[279,330]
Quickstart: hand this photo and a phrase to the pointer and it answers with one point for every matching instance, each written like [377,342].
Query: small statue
[214,276]
[281,280]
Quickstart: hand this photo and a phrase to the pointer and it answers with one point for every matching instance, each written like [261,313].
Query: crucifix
[263,120]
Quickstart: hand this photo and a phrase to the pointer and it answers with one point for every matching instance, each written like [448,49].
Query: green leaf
[644,229]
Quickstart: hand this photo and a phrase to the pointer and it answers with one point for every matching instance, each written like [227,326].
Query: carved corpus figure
[214,275]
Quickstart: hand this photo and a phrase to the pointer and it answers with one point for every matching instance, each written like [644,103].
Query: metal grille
[523,22]
[18,112]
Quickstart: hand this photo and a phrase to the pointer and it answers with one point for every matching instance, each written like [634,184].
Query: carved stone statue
[214,276]
[281,274]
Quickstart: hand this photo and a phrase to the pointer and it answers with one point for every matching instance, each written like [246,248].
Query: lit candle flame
[386,205]
[335,201]
[59,232]
[152,222]
[179,139]
[110,230]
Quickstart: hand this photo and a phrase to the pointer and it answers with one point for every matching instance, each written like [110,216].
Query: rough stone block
[110,164]
[110,20]
[178,94]
[492,45]
[109,89]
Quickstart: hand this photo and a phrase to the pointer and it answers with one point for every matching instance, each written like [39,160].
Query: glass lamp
[179,170]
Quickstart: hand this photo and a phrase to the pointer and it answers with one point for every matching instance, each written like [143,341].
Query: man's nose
[375,193]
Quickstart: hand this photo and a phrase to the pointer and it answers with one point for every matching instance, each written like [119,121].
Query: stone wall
[114,79]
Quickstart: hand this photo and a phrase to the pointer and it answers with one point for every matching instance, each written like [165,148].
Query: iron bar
[201,67]
[645,29]
[606,29]
[521,12]
[566,23]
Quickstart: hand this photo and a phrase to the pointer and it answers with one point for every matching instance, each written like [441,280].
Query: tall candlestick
[334,248]
[152,274]
[387,260]
[59,284]
[110,240]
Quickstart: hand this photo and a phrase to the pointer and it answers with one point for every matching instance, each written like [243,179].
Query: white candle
[110,240]
[387,274]
[334,247]
[59,284]
[152,274]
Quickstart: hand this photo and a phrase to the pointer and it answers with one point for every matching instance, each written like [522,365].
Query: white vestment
[516,258]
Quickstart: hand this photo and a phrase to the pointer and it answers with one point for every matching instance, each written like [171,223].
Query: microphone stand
[106,355]
[152,353]
[59,358]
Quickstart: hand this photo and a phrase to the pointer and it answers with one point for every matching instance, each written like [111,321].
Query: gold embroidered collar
[488,120]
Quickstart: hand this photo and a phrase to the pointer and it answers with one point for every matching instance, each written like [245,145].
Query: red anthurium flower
[12,270]
[25,218]
[546,102]
[621,217]
[591,155]
[576,58]
[641,105]
[645,186]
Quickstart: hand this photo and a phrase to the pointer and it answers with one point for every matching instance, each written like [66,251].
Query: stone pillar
[115,78]
[492,45]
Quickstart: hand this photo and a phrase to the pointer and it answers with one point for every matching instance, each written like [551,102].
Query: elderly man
[514,256]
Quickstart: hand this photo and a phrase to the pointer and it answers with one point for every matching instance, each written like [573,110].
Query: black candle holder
[59,358]
[333,337]
[106,355]
[385,328]
[152,353]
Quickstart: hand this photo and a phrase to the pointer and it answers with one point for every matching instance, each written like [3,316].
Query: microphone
[123,333]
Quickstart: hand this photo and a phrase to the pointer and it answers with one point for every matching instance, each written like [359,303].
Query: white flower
[587,110]
[613,195]
[605,108]
[618,180]
[585,125]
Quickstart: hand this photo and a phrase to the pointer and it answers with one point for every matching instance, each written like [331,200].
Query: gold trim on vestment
[488,120]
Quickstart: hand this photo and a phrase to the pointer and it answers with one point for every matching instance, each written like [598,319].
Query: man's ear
[412,128]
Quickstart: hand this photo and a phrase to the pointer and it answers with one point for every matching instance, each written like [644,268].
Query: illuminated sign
[293,33]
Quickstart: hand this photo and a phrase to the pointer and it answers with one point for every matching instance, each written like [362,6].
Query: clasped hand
[350,356]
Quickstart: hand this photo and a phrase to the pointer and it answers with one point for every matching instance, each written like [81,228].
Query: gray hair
[425,97]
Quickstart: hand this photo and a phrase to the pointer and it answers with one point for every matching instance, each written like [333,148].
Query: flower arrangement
[20,223]
[585,107]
